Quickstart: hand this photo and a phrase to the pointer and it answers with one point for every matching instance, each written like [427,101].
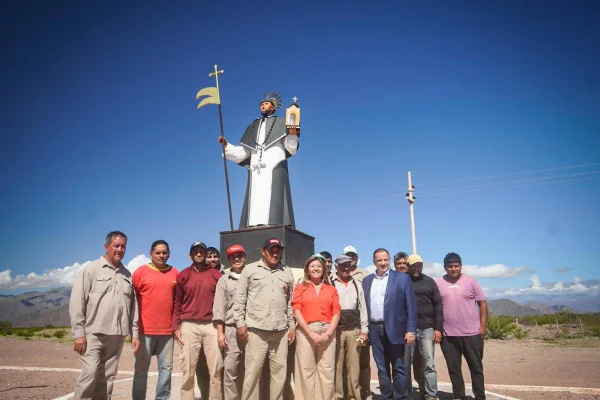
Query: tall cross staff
[214,97]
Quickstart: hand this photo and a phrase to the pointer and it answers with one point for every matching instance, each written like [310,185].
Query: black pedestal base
[298,245]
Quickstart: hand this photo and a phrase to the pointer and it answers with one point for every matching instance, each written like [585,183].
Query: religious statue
[264,149]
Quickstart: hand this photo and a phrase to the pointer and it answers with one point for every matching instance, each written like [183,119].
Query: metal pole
[216,74]
[225,167]
[411,203]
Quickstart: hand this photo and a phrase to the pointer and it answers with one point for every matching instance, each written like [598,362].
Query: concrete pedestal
[298,245]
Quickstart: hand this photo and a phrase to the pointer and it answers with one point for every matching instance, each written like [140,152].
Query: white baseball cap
[349,249]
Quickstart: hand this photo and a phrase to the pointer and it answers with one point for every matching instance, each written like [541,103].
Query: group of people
[239,320]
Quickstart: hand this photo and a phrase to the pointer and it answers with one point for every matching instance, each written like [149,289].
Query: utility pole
[411,205]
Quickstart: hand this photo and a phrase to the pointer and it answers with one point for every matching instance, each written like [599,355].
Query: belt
[348,327]
[376,322]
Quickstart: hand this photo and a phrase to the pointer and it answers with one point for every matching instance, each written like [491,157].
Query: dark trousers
[471,347]
[392,382]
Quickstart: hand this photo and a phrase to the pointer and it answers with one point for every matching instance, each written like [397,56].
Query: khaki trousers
[263,344]
[314,371]
[99,367]
[348,358]
[198,336]
[233,369]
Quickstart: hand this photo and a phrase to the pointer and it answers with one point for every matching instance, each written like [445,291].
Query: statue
[264,149]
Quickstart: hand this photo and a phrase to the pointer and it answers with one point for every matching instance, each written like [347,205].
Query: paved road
[122,390]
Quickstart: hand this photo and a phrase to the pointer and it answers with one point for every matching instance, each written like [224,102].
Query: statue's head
[267,108]
[270,103]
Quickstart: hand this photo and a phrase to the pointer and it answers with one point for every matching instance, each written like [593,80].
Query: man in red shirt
[154,286]
[192,322]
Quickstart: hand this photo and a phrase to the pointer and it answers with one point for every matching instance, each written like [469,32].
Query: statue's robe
[268,199]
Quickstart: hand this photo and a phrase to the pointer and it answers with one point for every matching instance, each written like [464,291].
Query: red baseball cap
[236,248]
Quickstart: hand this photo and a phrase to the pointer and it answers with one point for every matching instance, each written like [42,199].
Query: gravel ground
[35,385]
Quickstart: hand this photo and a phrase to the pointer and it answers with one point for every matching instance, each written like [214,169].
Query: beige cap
[413,259]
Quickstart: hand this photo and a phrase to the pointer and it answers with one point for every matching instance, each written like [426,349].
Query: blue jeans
[424,362]
[392,382]
[162,347]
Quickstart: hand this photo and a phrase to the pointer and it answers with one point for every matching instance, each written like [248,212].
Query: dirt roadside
[526,362]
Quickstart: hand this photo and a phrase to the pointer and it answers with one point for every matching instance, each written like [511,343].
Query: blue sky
[100,129]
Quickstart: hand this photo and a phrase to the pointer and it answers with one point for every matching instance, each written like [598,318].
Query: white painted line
[529,388]
[77,370]
[521,388]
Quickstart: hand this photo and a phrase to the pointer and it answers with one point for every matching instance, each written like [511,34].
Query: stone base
[298,245]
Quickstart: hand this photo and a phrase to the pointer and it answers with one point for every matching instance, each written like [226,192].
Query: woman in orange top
[316,308]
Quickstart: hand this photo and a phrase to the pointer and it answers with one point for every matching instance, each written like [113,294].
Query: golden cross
[216,72]
[216,75]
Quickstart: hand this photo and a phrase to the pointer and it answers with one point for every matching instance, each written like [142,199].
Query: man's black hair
[400,255]
[157,242]
[326,254]
[378,250]
[452,258]
[213,250]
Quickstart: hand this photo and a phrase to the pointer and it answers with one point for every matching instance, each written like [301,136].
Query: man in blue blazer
[392,310]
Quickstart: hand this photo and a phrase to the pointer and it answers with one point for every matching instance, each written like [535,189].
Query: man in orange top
[154,286]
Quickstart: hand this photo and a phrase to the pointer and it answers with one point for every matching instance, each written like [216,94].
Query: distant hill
[551,309]
[511,308]
[37,308]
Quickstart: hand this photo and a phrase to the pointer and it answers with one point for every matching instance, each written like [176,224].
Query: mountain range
[52,308]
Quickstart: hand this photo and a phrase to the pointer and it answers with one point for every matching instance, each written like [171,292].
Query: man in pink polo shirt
[465,319]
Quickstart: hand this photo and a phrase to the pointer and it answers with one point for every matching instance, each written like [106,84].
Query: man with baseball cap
[226,329]
[430,322]
[352,330]
[262,312]
[359,274]
[192,321]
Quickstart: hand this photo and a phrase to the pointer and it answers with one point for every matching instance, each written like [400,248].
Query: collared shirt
[316,307]
[224,296]
[359,274]
[378,296]
[103,301]
[264,298]
[350,299]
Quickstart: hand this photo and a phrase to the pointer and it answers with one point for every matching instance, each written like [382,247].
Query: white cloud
[492,271]
[137,262]
[537,287]
[54,277]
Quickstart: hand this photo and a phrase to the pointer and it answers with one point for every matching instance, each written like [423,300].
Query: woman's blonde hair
[321,260]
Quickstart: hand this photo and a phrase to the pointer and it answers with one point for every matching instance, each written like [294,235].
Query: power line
[511,173]
[508,187]
[507,182]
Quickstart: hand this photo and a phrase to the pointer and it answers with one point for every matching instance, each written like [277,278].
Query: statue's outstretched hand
[223,141]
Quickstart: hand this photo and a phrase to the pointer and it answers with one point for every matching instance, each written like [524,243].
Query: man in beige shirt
[103,311]
[262,312]
[226,330]
[352,330]
[359,274]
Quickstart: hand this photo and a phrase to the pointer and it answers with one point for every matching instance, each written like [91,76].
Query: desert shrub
[593,331]
[499,327]
[519,333]
[46,335]
[60,334]
[5,326]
